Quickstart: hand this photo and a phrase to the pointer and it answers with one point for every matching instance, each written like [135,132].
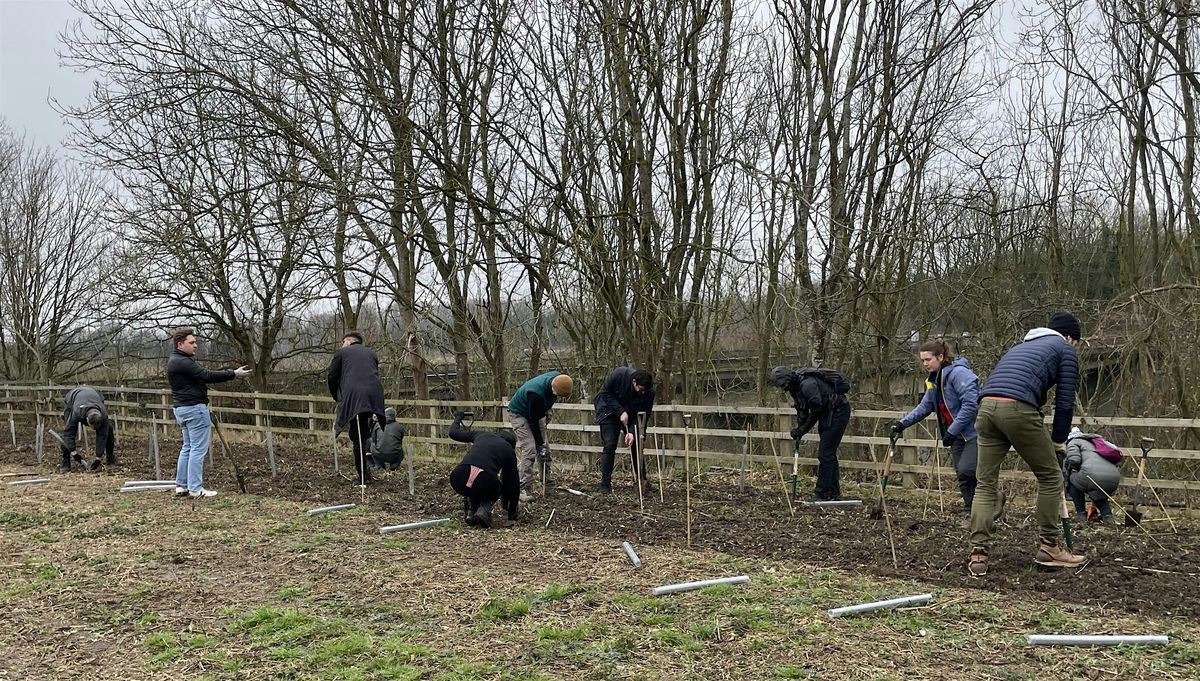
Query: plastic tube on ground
[39,481]
[149,488]
[138,483]
[832,504]
[692,586]
[328,509]
[412,526]
[881,605]
[633,556]
[1097,640]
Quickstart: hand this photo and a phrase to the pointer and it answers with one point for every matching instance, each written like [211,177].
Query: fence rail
[737,435]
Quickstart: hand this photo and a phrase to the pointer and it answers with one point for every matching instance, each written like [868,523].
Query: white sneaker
[202,493]
[180,491]
[526,497]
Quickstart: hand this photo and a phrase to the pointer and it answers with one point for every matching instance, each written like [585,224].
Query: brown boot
[1055,556]
[977,564]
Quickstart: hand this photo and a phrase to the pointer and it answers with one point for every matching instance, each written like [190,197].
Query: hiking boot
[977,564]
[1056,556]
[483,518]
[1108,520]
[603,489]
[199,493]
[525,497]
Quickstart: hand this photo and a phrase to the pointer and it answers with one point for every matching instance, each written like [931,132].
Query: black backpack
[835,381]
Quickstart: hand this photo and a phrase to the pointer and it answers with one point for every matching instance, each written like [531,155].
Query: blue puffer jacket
[960,390]
[1027,371]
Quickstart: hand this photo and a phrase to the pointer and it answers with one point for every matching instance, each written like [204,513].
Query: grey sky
[29,70]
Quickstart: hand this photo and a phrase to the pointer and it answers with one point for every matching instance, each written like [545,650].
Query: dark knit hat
[1066,324]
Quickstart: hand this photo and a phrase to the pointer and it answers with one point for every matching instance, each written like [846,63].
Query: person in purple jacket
[1010,415]
[952,392]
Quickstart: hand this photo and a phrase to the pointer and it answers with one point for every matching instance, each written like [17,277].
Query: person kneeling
[387,443]
[487,473]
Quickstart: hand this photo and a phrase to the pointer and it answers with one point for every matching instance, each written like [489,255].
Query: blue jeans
[195,423]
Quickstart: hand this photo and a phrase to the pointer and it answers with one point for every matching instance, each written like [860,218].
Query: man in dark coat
[1010,415]
[488,472]
[817,402]
[625,394]
[86,405]
[354,383]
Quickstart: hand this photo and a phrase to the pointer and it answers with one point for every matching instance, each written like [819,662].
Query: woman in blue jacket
[952,392]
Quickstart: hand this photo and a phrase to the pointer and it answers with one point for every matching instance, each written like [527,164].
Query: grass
[319,602]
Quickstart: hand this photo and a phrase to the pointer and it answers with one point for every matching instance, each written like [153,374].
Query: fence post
[12,426]
[166,409]
[270,438]
[312,419]
[258,418]
[433,448]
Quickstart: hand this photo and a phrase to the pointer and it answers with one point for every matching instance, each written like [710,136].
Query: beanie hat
[93,417]
[562,385]
[389,414]
[1065,323]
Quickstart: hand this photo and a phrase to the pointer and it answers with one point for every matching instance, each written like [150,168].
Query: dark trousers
[1080,498]
[106,441]
[359,430]
[964,456]
[610,436]
[831,428]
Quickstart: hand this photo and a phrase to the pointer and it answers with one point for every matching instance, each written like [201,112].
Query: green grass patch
[501,609]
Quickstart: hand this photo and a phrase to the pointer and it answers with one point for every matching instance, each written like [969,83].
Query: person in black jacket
[189,399]
[1010,415]
[353,380]
[625,394]
[817,402]
[488,472]
[86,405]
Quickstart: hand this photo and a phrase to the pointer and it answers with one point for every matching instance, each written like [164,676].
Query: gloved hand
[897,427]
[459,414]
[797,433]
[948,440]
[544,450]
[1060,447]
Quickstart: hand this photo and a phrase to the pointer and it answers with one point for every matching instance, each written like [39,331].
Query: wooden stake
[687,472]
[782,482]
[637,460]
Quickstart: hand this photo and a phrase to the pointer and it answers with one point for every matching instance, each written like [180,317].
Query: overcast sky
[29,70]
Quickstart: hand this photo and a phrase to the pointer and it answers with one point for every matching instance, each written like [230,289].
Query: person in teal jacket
[527,411]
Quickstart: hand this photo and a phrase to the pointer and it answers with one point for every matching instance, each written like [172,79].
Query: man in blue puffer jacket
[1010,415]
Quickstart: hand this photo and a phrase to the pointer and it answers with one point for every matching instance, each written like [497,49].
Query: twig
[779,469]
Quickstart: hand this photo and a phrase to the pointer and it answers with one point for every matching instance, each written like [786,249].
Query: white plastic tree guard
[149,488]
[692,586]
[633,556]
[39,481]
[1095,640]
[413,526]
[328,509]
[139,483]
[881,605]
[842,503]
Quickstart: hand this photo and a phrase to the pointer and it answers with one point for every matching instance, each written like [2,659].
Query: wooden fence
[729,436]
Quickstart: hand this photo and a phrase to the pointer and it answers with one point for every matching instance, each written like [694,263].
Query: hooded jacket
[389,440]
[77,403]
[617,395]
[959,389]
[1088,470]
[1027,371]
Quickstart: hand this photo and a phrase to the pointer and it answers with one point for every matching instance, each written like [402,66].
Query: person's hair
[358,337]
[939,347]
[643,378]
[180,335]
[94,417]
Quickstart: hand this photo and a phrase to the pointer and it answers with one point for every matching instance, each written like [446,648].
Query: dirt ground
[1132,569]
